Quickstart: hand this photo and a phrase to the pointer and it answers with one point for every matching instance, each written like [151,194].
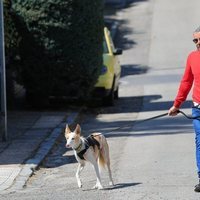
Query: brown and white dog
[93,149]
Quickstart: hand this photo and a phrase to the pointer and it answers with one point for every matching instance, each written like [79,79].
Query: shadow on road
[128,70]
[116,186]
[122,185]
[111,11]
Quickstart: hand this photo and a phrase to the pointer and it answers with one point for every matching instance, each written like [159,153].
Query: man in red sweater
[191,77]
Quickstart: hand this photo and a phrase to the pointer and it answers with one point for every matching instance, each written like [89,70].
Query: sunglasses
[196,40]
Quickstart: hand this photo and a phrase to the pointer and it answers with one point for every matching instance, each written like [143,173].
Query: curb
[44,148]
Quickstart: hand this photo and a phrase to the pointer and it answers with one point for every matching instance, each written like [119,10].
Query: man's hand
[173,111]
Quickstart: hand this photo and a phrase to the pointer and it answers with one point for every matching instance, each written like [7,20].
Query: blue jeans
[196,124]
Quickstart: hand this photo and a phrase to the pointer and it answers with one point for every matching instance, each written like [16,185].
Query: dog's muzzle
[67,146]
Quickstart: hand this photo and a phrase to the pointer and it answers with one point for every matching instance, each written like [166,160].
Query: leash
[155,117]
[152,118]
[187,116]
[136,122]
[165,114]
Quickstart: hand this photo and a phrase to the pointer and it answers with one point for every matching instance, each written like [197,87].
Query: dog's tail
[102,161]
[104,153]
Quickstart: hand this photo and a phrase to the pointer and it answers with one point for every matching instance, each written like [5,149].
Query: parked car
[107,85]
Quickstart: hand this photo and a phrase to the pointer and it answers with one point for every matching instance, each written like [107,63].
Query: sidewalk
[32,135]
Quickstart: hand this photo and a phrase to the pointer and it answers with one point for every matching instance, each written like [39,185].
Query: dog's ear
[78,129]
[67,129]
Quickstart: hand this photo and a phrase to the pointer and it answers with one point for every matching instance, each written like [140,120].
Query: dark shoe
[197,188]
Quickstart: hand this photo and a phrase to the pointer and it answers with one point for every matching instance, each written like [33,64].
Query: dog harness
[89,141]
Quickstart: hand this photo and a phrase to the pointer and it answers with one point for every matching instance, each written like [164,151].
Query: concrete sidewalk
[32,136]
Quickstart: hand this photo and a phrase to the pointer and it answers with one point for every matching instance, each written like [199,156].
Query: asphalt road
[150,161]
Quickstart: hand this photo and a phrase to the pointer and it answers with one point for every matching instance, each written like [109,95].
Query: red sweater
[191,76]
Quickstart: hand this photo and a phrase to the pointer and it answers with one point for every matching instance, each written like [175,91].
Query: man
[191,77]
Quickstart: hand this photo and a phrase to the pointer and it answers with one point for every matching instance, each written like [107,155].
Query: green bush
[65,37]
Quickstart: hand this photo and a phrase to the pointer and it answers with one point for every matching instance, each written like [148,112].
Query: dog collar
[79,147]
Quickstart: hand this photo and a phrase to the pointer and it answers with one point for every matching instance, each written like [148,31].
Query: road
[150,161]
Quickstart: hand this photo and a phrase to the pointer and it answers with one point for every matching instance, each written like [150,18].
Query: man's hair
[197,30]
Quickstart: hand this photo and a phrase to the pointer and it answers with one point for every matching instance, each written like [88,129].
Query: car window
[105,46]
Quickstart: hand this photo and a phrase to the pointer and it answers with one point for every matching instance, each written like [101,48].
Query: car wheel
[109,100]
[116,94]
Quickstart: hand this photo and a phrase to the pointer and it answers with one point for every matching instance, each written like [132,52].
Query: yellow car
[108,82]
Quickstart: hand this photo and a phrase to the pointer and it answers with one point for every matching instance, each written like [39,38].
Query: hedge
[61,49]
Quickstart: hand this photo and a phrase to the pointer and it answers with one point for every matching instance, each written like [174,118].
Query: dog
[93,149]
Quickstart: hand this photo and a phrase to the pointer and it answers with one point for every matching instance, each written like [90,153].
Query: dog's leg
[98,184]
[110,175]
[109,169]
[80,168]
[91,158]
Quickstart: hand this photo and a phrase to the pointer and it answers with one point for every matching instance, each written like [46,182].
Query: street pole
[3,107]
